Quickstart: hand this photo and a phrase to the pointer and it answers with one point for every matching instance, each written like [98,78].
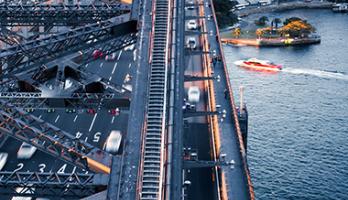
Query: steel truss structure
[27,128]
[51,184]
[58,15]
[10,37]
[37,100]
[33,53]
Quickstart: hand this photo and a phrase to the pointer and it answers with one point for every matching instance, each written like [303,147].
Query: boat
[259,65]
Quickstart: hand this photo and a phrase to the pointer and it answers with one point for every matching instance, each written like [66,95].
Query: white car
[26,151]
[110,57]
[190,5]
[112,144]
[192,24]
[193,94]
[191,43]
[3,159]
[129,48]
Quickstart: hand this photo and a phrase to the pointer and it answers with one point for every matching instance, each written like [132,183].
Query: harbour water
[298,118]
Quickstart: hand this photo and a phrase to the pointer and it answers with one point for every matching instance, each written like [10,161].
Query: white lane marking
[110,78]
[119,55]
[112,120]
[101,65]
[134,54]
[75,118]
[129,65]
[55,121]
[86,65]
[113,70]
[95,116]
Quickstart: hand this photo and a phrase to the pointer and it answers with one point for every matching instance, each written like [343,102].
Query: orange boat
[259,65]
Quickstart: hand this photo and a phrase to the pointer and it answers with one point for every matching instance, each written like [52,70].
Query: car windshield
[194,92]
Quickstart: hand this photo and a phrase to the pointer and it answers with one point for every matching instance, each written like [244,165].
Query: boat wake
[317,73]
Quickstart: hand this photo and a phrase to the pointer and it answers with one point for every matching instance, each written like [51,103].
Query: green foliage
[223,12]
[291,19]
[261,21]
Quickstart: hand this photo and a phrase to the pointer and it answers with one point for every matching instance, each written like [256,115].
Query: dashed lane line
[90,128]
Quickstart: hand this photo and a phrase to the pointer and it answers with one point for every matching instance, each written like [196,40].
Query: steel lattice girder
[59,15]
[27,128]
[76,100]
[51,184]
[38,52]
[10,37]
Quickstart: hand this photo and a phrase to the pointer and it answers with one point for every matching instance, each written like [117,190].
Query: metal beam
[10,37]
[47,184]
[188,114]
[37,100]
[37,52]
[195,33]
[50,139]
[58,15]
[198,78]
[189,164]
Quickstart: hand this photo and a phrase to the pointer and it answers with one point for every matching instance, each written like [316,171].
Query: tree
[291,19]
[297,28]
[236,32]
[277,21]
[223,12]
[261,21]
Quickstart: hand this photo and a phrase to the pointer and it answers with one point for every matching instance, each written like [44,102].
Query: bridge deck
[230,143]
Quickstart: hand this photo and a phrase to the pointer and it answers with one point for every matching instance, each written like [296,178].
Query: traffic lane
[39,162]
[96,137]
[119,71]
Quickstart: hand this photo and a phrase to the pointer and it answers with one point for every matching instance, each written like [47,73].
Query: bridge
[73,73]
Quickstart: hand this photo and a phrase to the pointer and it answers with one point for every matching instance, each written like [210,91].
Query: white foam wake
[317,73]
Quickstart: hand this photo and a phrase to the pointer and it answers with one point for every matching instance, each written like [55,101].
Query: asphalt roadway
[196,132]
[92,128]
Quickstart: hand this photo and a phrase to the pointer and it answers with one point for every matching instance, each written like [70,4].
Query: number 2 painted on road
[20,166]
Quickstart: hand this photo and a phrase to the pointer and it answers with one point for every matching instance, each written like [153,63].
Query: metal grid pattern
[49,48]
[58,15]
[153,148]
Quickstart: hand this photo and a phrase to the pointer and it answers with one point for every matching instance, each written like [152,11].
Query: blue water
[298,125]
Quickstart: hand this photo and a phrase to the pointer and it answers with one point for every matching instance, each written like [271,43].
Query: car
[192,24]
[110,57]
[26,151]
[70,110]
[97,54]
[191,43]
[115,111]
[91,111]
[30,109]
[129,47]
[190,5]
[3,159]
[193,94]
[51,110]
[113,142]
